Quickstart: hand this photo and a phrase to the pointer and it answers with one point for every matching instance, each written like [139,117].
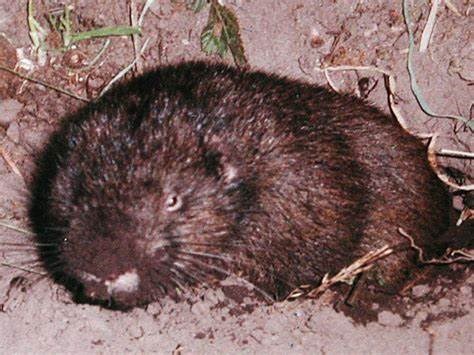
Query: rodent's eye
[173,203]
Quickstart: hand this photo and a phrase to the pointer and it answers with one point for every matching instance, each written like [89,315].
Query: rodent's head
[142,216]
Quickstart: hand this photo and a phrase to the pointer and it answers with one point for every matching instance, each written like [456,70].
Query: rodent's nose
[113,287]
[127,282]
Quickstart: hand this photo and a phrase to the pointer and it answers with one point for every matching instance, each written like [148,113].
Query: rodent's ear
[221,162]
[218,165]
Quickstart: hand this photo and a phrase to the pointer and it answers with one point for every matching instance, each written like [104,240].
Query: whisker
[185,242]
[206,255]
[49,251]
[23,269]
[7,224]
[22,262]
[177,283]
[267,297]
[184,271]
[162,288]
[254,248]
[10,251]
[16,244]
[56,229]
[56,267]
[178,274]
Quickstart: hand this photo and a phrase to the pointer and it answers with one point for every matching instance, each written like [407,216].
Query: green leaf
[212,39]
[62,23]
[222,33]
[36,32]
[197,5]
[105,32]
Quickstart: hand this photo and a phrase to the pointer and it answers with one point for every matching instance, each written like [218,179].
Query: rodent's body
[196,170]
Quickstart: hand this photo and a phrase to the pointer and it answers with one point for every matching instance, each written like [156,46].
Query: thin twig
[6,156]
[40,82]
[124,71]
[455,153]
[415,88]
[330,81]
[453,8]
[448,258]
[428,30]
[135,38]
[23,269]
[355,68]
[442,176]
[144,11]
[391,89]
[346,275]
[15,228]
[98,55]
[466,214]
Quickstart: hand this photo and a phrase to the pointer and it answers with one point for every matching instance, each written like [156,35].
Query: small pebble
[13,132]
[9,108]
[444,302]
[200,308]
[420,290]
[466,290]
[389,319]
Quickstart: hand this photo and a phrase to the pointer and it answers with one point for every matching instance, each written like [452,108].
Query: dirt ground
[293,38]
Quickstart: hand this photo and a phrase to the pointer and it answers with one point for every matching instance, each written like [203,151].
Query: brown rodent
[195,171]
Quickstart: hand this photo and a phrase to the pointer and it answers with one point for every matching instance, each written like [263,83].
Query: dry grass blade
[28,270]
[124,71]
[428,30]
[6,156]
[466,214]
[42,83]
[451,256]
[7,224]
[442,176]
[391,90]
[37,33]
[346,275]
[137,22]
[455,154]
[453,8]
[415,88]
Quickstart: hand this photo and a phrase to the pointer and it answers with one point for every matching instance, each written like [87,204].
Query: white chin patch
[127,282]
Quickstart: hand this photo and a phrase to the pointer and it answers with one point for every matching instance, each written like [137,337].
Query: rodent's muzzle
[120,289]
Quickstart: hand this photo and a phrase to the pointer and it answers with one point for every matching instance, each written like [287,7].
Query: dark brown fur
[281,182]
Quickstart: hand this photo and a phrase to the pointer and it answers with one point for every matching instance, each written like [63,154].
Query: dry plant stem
[465,215]
[42,83]
[124,71]
[415,88]
[428,30]
[135,38]
[391,89]
[331,83]
[10,162]
[138,22]
[7,224]
[347,274]
[434,165]
[22,269]
[453,8]
[401,120]
[455,153]
[458,255]
[97,57]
